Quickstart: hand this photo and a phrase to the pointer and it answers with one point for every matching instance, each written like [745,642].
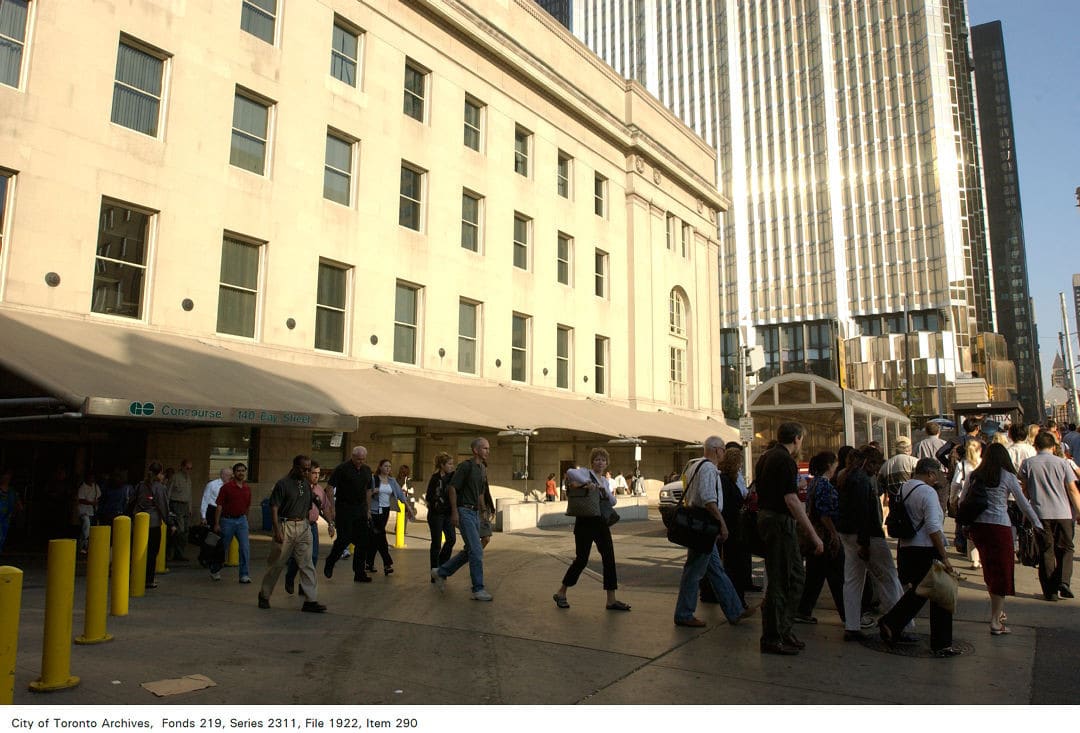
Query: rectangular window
[120,265]
[670,231]
[563,175]
[564,257]
[474,123]
[687,232]
[410,207]
[250,133]
[337,173]
[677,369]
[470,221]
[344,52]
[600,268]
[564,341]
[521,241]
[136,102]
[522,143]
[257,17]
[468,336]
[600,380]
[13,18]
[600,195]
[238,290]
[519,349]
[330,310]
[415,90]
[406,308]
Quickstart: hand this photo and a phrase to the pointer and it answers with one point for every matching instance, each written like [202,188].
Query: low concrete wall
[517,516]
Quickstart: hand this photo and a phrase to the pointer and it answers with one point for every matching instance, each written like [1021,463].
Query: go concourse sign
[166,410]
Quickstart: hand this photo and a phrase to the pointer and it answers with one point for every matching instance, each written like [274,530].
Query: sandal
[560,601]
[1000,631]
[618,606]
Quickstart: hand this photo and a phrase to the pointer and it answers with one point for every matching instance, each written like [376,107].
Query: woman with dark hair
[992,530]
[438,512]
[384,490]
[152,497]
[823,508]
[735,552]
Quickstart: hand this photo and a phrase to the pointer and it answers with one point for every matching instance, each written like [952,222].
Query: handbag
[582,500]
[693,527]
[974,503]
[608,513]
[939,587]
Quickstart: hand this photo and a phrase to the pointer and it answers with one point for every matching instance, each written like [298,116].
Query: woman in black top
[438,511]
[736,550]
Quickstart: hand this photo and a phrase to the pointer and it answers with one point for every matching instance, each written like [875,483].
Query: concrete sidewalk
[398,640]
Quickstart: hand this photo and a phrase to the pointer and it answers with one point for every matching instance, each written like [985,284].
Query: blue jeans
[292,569]
[700,565]
[469,524]
[238,528]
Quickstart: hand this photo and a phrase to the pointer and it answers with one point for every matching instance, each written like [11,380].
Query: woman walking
[992,531]
[152,497]
[593,530]
[438,512]
[823,508]
[385,489]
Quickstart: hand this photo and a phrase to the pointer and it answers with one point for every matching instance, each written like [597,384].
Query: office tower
[1015,319]
[1076,301]
[560,10]
[846,138]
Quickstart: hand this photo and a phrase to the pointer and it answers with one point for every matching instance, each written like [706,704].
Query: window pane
[414,93]
[250,116]
[338,153]
[10,62]
[135,110]
[466,356]
[13,19]
[405,305]
[404,344]
[518,333]
[117,289]
[236,312]
[239,264]
[343,69]
[247,153]
[336,187]
[467,337]
[467,319]
[521,243]
[470,222]
[139,69]
[517,365]
[472,125]
[120,265]
[521,153]
[331,290]
[256,17]
[409,207]
[122,234]
[329,330]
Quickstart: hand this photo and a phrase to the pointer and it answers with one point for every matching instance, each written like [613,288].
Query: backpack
[974,503]
[899,522]
[142,499]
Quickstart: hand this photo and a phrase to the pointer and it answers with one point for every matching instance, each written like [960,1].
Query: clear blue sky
[1042,54]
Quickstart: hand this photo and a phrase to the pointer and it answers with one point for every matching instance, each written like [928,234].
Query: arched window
[678,348]
[675,314]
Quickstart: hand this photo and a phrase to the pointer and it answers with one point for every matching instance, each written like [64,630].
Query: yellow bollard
[121,566]
[97,588]
[11,580]
[59,599]
[140,535]
[159,565]
[399,527]
[234,554]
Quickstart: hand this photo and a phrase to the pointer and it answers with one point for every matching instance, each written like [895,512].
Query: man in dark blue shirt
[351,484]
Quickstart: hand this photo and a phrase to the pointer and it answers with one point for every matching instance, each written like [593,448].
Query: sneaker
[438,580]
[801,619]
[245,579]
[434,572]
[215,576]
[481,595]
[867,621]
[345,554]
[264,602]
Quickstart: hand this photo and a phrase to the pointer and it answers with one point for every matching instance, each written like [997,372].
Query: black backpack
[974,503]
[899,522]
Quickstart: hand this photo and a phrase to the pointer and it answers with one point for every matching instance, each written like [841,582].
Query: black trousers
[353,527]
[378,541]
[1055,568]
[153,544]
[821,569]
[589,531]
[912,565]
[439,525]
[735,554]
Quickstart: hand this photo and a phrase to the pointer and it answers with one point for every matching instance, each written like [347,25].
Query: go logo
[141,409]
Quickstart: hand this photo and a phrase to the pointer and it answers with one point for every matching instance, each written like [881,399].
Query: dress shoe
[793,641]
[388,570]
[1050,596]
[313,607]
[778,647]
[800,618]
[693,622]
[362,578]
[1064,592]
[264,602]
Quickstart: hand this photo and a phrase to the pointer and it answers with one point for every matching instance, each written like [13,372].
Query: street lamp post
[525,433]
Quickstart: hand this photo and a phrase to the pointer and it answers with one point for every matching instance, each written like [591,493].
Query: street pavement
[399,641]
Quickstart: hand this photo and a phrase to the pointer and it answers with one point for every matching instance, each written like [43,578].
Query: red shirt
[234,500]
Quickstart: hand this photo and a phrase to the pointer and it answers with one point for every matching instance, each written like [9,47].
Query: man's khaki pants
[297,545]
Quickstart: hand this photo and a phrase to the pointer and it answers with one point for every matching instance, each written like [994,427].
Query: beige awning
[113,370]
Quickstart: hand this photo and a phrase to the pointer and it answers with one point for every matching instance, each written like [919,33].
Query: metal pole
[526,471]
[741,365]
[1073,406]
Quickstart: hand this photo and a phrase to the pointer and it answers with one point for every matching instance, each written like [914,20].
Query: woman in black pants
[590,530]
[822,506]
[438,511]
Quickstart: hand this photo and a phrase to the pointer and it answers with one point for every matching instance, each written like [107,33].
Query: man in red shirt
[230,520]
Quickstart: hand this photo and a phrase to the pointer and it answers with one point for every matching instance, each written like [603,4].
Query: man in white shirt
[88,496]
[914,558]
[210,494]
[1021,449]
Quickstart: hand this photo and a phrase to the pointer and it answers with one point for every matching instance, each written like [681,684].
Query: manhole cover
[922,649]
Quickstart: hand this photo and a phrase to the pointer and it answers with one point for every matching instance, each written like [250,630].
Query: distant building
[1016,322]
[560,10]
